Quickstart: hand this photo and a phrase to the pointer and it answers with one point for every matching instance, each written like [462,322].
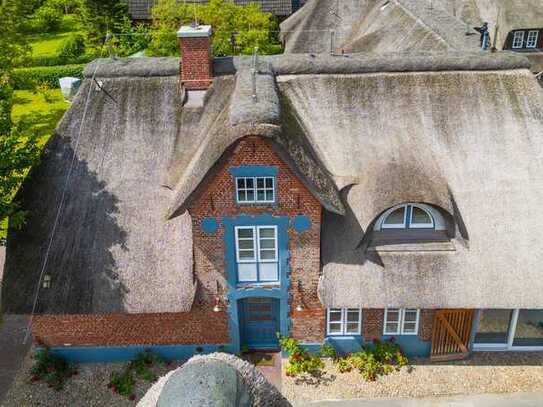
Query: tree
[236,29]
[98,17]
[18,148]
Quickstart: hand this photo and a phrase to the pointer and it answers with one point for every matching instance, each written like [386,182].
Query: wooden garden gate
[451,333]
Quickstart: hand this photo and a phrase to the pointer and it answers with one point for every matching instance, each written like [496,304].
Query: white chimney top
[188,31]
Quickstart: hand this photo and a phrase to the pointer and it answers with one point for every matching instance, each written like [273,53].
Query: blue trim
[254,171]
[236,293]
[411,345]
[345,344]
[301,223]
[210,225]
[101,354]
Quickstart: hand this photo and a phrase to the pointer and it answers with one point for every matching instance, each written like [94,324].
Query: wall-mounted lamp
[217,307]
[300,306]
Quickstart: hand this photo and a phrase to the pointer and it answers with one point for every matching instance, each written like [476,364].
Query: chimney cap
[188,31]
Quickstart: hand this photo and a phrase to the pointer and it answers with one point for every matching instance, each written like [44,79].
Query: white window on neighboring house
[401,321]
[518,39]
[46,281]
[410,216]
[343,321]
[257,253]
[255,189]
[531,41]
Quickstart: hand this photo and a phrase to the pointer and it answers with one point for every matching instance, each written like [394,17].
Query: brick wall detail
[132,329]
[426,324]
[216,198]
[373,320]
[196,65]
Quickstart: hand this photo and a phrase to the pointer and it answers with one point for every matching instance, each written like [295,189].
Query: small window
[531,42]
[401,321]
[46,281]
[343,321]
[409,216]
[255,189]
[518,39]
[257,254]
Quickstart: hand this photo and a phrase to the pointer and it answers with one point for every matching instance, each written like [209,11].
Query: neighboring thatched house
[337,199]
[408,25]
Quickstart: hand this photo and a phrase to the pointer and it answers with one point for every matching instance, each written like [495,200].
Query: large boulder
[214,380]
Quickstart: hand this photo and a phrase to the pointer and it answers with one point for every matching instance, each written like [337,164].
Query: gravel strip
[482,373]
[88,388]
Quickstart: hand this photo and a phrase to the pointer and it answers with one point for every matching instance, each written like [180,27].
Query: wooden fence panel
[451,334]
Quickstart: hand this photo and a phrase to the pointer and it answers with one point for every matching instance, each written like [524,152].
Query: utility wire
[61,203]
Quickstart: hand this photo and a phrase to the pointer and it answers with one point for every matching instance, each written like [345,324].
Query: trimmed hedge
[54,60]
[28,78]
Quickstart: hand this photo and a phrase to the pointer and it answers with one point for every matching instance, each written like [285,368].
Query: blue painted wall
[411,345]
[100,354]
[345,344]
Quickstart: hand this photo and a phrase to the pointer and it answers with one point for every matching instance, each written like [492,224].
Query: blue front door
[259,322]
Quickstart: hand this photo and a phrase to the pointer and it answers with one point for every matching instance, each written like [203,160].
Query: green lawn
[49,44]
[43,115]
[40,114]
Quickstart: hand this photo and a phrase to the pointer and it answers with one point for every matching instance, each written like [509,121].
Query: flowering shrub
[53,370]
[300,361]
[381,359]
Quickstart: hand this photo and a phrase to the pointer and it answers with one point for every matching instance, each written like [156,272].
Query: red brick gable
[215,198]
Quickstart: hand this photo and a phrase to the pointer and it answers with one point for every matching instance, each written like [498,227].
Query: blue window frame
[255,184]
[257,256]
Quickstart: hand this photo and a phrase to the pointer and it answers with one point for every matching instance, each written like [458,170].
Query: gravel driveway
[88,388]
[482,373]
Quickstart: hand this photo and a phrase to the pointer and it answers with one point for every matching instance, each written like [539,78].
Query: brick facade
[216,198]
[373,319]
[132,329]
[196,66]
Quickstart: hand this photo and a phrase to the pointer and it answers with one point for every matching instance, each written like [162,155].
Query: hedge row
[54,60]
[28,78]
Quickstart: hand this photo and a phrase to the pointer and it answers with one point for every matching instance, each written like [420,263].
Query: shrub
[29,78]
[52,369]
[73,46]
[300,361]
[123,383]
[47,18]
[381,359]
[143,362]
[328,351]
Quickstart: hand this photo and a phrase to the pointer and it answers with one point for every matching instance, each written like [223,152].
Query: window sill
[383,247]
[270,284]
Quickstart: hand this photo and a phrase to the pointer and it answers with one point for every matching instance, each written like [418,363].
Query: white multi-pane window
[255,189]
[531,41]
[401,321]
[408,216]
[518,39]
[343,321]
[256,253]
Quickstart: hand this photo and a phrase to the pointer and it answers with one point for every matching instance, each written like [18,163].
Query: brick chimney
[196,59]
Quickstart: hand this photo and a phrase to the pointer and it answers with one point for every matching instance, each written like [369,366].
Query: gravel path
[12,349]
[482,373]
[88,388]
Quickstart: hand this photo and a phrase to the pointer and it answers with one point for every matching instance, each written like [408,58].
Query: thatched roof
[405,25]
[375,26]
[507,15]
[468,142]
[423,127]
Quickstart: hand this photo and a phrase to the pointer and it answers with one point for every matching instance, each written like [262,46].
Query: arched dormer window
[410,216]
